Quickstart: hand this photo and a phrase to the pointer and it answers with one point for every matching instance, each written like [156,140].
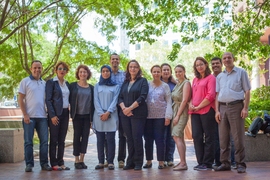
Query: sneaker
[233,165]
[121,164]
[196,167]
[202,167]
[223,167]
[241,169]
[170,163]
[28,168]
[46,167]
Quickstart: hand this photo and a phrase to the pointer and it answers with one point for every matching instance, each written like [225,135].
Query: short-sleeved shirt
[232,86]
[34,91]
[119,77]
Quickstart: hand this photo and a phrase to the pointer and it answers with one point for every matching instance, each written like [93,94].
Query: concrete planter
[257,149]
[11,145]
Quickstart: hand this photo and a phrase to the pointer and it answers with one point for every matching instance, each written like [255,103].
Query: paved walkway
[255,170]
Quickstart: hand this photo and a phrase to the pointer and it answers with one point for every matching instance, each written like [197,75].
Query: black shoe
[241,169]
[147,166]
[99,166]
[78,165]
[127,167]
[137,168]
[46,167]
[83,165]
[223,167]
[28,168]
[110,166]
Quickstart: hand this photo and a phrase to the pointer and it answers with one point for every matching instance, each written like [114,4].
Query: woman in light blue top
[105,120]
[160,113]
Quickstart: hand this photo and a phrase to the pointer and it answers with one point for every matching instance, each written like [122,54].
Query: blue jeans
[41,126]
[169,143]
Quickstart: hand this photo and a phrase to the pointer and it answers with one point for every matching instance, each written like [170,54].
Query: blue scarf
[108,81]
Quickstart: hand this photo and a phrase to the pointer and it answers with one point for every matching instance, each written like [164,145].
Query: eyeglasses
[198,65]
[60,69]
[133,67]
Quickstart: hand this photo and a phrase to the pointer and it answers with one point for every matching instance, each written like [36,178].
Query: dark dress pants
[134,128]
[81,126]
[57,139]
[169,144]
[154,131]
[110,140]
[203,134]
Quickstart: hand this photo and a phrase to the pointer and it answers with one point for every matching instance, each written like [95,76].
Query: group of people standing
[156,110]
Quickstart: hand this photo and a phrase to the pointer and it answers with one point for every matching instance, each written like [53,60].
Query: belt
[231,103]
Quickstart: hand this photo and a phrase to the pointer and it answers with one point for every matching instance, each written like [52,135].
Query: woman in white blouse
[159,104]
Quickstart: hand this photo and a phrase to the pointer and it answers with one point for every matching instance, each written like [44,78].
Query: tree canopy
[25,25]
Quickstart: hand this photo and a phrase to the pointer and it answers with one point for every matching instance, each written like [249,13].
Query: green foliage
[259,103]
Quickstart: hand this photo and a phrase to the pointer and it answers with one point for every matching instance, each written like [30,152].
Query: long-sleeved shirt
[159,101]
[204,88]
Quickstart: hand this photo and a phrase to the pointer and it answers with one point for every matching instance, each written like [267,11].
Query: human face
[216,66]
[61,71]
[179,73]
[83,74]
[36,69]
[133,69]
[200,66]
[115,61]
[227,60]
[166,72]
[105,73]
[156,73]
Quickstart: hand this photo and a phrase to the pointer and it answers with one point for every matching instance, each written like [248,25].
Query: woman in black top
[82,108]
[134,112]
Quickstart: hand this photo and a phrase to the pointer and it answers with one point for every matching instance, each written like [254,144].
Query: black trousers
[81,126]
[110,144]
[57,139]
[154,131]
[134,129]
[203,134]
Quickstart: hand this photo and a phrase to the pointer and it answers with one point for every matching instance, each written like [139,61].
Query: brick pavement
[255,170]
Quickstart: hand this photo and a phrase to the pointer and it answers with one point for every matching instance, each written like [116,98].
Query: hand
[175,120]
[127,111]
[244,113]
[167,122]
[26,119]
[217,116]
[105,116]
[55,120]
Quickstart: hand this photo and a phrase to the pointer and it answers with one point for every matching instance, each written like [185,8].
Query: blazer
[54,98]
[138,92]
[73,89]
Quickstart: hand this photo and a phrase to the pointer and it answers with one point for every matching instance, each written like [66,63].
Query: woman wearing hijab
[105,120]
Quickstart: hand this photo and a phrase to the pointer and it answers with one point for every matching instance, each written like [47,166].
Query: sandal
[63,167]
[111,167]
[56,168]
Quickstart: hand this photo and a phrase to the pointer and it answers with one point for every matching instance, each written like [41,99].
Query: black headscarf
[108,81]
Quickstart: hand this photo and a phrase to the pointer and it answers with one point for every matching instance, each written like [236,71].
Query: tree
[29,41]
[151,19]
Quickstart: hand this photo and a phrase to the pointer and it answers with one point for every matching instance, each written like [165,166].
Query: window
[137,46]
[206,10]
